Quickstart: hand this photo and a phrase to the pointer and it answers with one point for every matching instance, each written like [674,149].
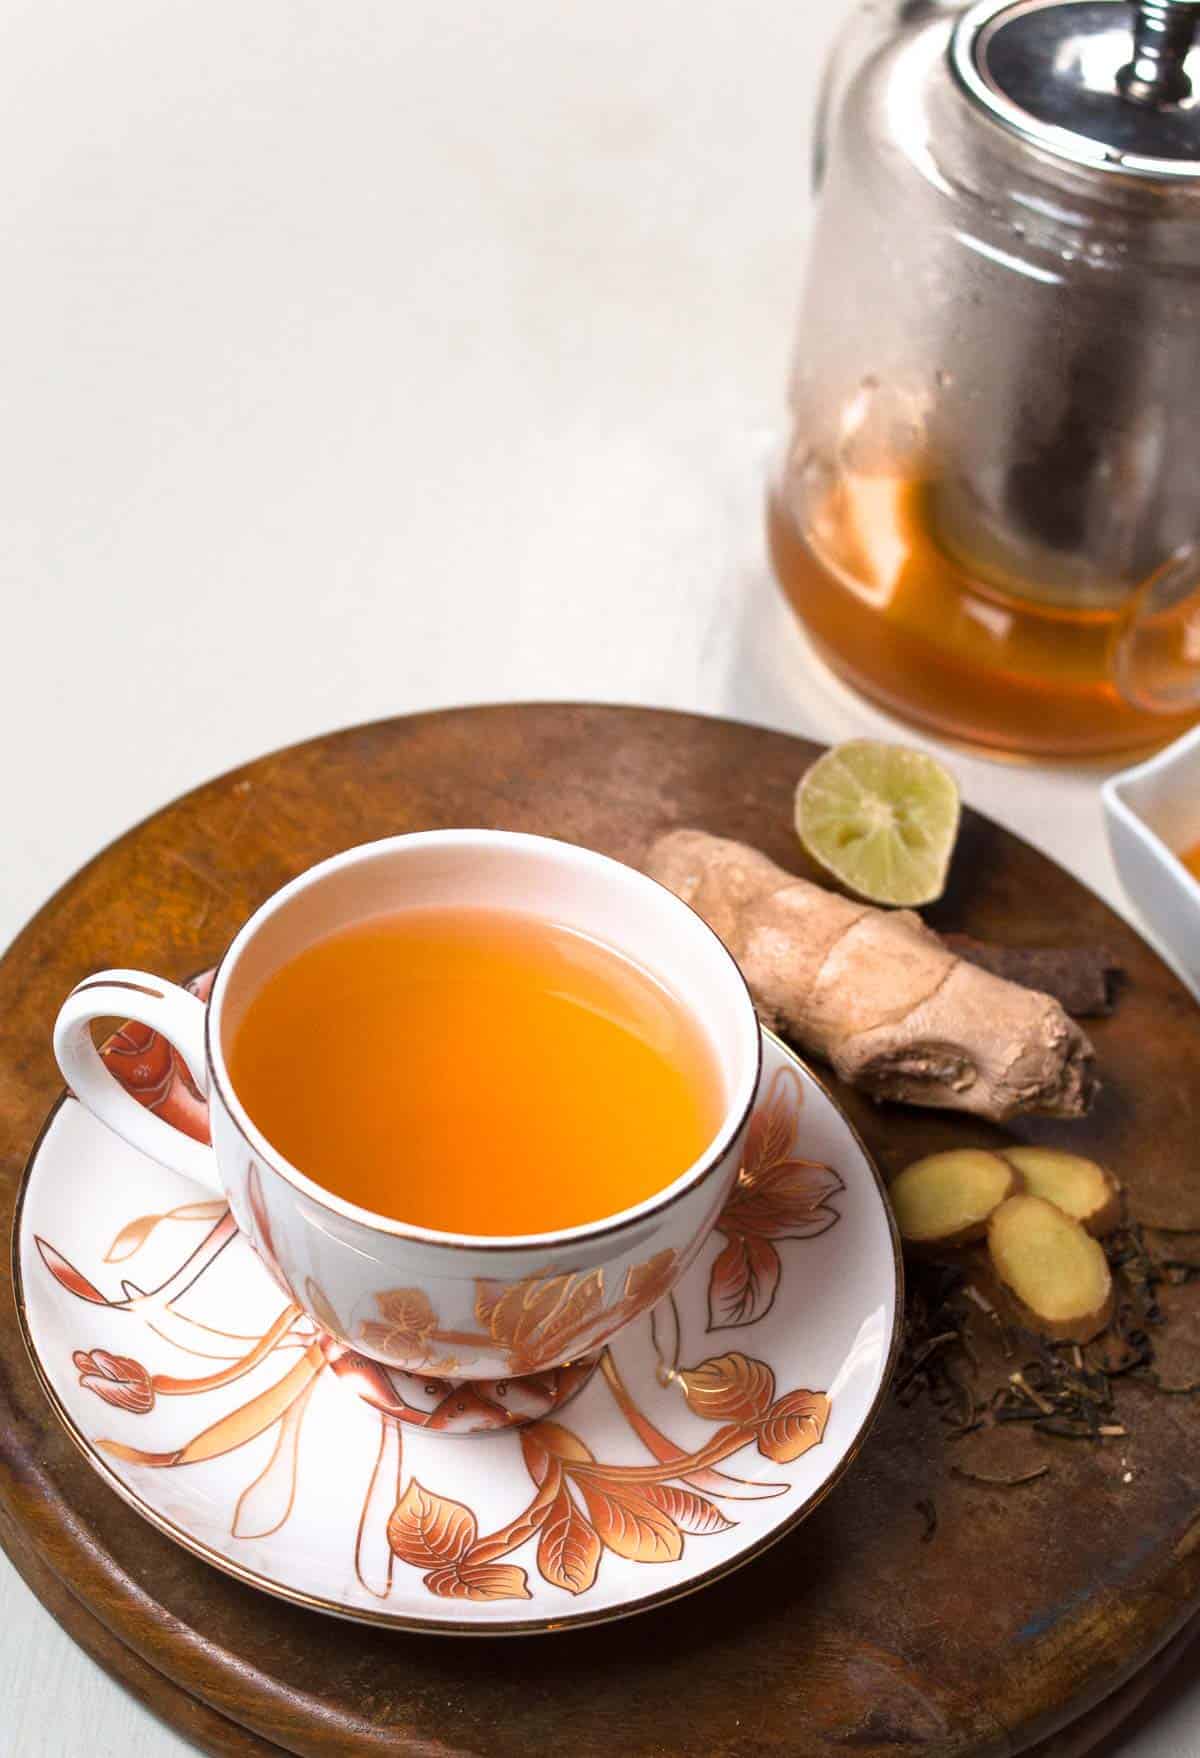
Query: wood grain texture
[851,1636]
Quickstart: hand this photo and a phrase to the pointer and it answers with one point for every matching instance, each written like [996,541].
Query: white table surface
[370,356]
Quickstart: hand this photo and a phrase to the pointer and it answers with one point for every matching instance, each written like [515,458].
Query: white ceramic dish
[1152,814]
[709,1428]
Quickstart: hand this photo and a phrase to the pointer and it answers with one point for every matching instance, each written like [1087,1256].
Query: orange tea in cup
[476,1071]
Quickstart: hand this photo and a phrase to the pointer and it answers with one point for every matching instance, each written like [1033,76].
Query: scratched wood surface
[1031,1622]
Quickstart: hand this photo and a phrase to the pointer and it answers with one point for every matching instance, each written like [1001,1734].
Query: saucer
[703,1433]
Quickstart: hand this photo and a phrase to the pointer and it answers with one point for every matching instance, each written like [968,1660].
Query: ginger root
[1079,1187]
[945,1199]
[876,992]
[1055,1275]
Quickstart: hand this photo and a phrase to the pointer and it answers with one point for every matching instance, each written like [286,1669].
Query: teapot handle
[1155,655]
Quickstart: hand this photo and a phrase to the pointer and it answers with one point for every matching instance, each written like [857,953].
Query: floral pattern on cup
[777,1196]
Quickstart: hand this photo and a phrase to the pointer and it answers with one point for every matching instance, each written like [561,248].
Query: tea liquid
[476,1071]
[907,624]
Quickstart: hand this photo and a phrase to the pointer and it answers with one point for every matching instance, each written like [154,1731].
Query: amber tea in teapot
[987,513]
[912,626]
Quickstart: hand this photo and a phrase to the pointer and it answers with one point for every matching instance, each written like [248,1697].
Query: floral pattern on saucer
[710,1426]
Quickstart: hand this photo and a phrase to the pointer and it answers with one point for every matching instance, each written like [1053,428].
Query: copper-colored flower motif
[646,1284]
[542,1319]
[117,1379]
[630,1522]
[405,1325]
[793,1425]
[643,1521]
[728,1388]
[778,1195]
[569,1550]
[692,1513]
[426,1529]
[479,1581]
[438,1535]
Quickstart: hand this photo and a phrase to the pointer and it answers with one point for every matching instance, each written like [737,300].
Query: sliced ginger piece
[945,1199]
[1055,1274]
[1080,1188]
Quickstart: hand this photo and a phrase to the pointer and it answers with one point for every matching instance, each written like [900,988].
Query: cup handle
[164,1008]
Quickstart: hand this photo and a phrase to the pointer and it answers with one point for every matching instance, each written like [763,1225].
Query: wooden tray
[1026,1611]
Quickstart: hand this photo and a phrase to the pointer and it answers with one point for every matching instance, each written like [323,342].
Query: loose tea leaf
[928,1513]
[1061,1391]
[998,1482]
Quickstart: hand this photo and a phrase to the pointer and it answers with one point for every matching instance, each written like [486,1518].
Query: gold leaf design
[778,1195]
[545,1443]
[405,1324]
[690,1512]
[211,1210]
[630,1523]
[773,1125]
[743,1281]
[541,1319]
[426,1529]
[131,1238]
[728,1388]
[793,1425]
[646,1284]
[664,1449]
[518,1531]
[481,1581]
[135,1233]
[512,1311]
[568,1554]
[789,1200]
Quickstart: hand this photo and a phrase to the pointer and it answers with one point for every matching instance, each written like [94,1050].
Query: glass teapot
[988,512]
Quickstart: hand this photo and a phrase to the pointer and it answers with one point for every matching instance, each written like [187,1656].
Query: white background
[362,357]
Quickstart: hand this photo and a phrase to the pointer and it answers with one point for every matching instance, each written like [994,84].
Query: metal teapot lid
[1099,82]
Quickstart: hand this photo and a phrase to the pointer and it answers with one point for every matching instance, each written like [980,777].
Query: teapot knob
[1162,37]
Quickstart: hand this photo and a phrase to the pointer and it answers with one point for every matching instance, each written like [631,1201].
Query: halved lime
[881,818]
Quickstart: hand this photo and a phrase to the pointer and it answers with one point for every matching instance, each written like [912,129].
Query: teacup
[436,1303]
